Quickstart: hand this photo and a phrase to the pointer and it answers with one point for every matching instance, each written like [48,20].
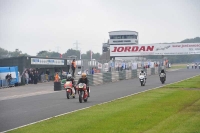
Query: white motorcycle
[142,80]
[162,78]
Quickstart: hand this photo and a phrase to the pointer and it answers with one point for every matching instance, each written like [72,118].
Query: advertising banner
[123,41]
[40,61]
[155,49]
[99,66]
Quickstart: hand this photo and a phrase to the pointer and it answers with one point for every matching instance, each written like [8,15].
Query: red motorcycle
[70,92]
[82,91]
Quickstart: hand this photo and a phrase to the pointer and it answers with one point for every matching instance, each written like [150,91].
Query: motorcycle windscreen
[81,85]
[141,77]
[162,75]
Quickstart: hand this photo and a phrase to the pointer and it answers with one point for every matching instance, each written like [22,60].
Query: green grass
[171,109]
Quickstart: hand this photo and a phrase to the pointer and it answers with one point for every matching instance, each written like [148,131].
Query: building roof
[123,31]
[32,57]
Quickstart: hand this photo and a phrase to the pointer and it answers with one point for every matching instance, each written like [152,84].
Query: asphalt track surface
[21,111]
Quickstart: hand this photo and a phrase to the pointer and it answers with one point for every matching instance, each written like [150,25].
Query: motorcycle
[162,78]
[82,91]
[70,92]
[142,80]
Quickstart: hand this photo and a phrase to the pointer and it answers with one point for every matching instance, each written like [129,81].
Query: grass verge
[178,66]
[171,109]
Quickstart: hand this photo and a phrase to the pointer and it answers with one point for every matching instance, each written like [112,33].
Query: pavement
[27,104]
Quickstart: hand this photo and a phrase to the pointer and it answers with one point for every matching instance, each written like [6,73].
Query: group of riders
[85,80]
[142,72]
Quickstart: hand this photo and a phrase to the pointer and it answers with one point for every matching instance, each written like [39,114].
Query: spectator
[57,78]
[9,79]
[31,77]
[26,77]
[36,77]
[7,76]
[73,67]
[92,71]
[48,74]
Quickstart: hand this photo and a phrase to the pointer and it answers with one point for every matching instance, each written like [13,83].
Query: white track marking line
[97,104]
[27,95]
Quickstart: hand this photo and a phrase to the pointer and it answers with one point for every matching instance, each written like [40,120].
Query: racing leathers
[143,73]
[163,71]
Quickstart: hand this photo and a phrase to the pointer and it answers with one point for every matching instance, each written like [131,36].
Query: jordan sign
[155,49]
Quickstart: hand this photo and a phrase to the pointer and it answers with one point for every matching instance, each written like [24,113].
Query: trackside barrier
[152,71]
[90,78]
[134,74]
[148,71]
[156,70]
[100,78]
[107,77]
[97,78]
[3,83]
[138,72]
[114,76]
[122,75]
[128,74]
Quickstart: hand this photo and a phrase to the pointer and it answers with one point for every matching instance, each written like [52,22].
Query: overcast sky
[35,25]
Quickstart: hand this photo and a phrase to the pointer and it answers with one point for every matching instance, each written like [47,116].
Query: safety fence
[101,78]
[5,83]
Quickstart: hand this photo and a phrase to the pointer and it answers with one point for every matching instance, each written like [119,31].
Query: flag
[80,54]
[91,54]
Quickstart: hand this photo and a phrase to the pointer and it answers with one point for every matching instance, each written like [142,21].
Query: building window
[123,37]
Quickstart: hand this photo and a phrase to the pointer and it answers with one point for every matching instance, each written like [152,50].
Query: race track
[19,111]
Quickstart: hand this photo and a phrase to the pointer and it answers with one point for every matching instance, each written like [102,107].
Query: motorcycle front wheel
[80,96]
[141,83]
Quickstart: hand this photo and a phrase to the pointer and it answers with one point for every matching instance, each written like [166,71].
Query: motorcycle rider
[163,71]
[70,78]
[142,72]
[84,80]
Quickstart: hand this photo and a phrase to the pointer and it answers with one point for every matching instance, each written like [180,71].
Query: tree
[3,53]
[72,52]
[43,53]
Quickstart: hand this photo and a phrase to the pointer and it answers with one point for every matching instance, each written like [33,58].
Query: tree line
[51,54]
[70,52]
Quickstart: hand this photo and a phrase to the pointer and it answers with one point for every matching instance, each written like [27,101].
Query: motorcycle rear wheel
[68,94]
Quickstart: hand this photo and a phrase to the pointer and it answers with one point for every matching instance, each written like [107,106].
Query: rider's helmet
[69,76]
[83,75]
[162,70]
[142,71]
